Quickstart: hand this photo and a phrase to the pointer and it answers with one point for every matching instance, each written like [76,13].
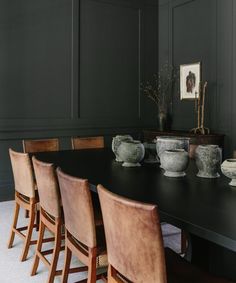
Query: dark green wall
[203,30]
[73,67]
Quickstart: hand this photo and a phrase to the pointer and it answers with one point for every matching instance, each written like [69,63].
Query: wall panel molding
[120,86]
[43,49]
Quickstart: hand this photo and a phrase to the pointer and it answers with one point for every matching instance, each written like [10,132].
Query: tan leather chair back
[49,194]
[40,145]
[22,173]
[88,142]
[78,208]
[134,239]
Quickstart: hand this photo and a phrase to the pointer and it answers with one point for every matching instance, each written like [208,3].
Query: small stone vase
[116,141]
[131,152]
[162,121]
[208,160]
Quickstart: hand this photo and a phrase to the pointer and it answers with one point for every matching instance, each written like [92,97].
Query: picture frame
[190,78]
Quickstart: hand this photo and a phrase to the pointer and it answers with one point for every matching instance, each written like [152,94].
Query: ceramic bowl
[131,152]
[116,141]
[174,162]
[228,168]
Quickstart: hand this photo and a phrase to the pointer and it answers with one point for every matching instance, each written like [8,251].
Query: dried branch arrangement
[159,88]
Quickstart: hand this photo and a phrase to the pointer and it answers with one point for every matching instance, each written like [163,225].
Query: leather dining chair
[51,216]
[40,145]
[84,238]
[87,142]
[25,197]
[135,245]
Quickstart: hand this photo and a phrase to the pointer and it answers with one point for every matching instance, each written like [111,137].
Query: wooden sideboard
[195,139]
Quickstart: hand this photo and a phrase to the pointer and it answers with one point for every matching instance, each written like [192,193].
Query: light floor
[14,271]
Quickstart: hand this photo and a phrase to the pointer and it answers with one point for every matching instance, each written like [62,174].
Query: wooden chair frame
[87,142]
[30,205]
[40,145]
[55,227]
[86,255]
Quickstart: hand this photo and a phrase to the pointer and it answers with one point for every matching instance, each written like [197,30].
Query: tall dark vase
[163,121]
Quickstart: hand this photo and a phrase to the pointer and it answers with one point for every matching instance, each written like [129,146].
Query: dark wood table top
[203,207]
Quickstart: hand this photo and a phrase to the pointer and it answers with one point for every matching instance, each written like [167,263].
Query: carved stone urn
[208,160]
[131,152]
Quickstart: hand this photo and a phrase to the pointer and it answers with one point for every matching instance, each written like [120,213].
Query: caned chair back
[134,239]
[49,194]
[40,145]
[78,208]
[22,173]
[87,142]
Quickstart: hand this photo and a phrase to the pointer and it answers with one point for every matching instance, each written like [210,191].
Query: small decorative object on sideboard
[169,142]
[159,90]
[116,141]
[208,160]
[131,152]
[174,162]
[228,168]
[150,152]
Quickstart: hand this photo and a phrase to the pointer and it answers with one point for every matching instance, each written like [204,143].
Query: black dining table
[204,208]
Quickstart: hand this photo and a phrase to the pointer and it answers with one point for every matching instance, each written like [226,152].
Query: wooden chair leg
[92,266]
[28,233]
[66,267]
[111,274]
[55,255]
[183,242]
[15,219]
[38,248]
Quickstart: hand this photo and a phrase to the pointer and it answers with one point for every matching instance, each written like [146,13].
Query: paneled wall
[73,67]
[203,30]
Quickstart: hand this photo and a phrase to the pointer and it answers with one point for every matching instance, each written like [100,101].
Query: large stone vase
[208,160]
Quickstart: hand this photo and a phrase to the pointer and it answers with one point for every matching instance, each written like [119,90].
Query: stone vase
[174,162]
[162,121]
[131,152]
[208,160]
[116,141]
[150,152]
[228,168]
[170,142]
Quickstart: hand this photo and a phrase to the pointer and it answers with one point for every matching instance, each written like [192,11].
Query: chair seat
[181,271]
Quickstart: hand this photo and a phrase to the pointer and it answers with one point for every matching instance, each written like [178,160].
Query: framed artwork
[190,78]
